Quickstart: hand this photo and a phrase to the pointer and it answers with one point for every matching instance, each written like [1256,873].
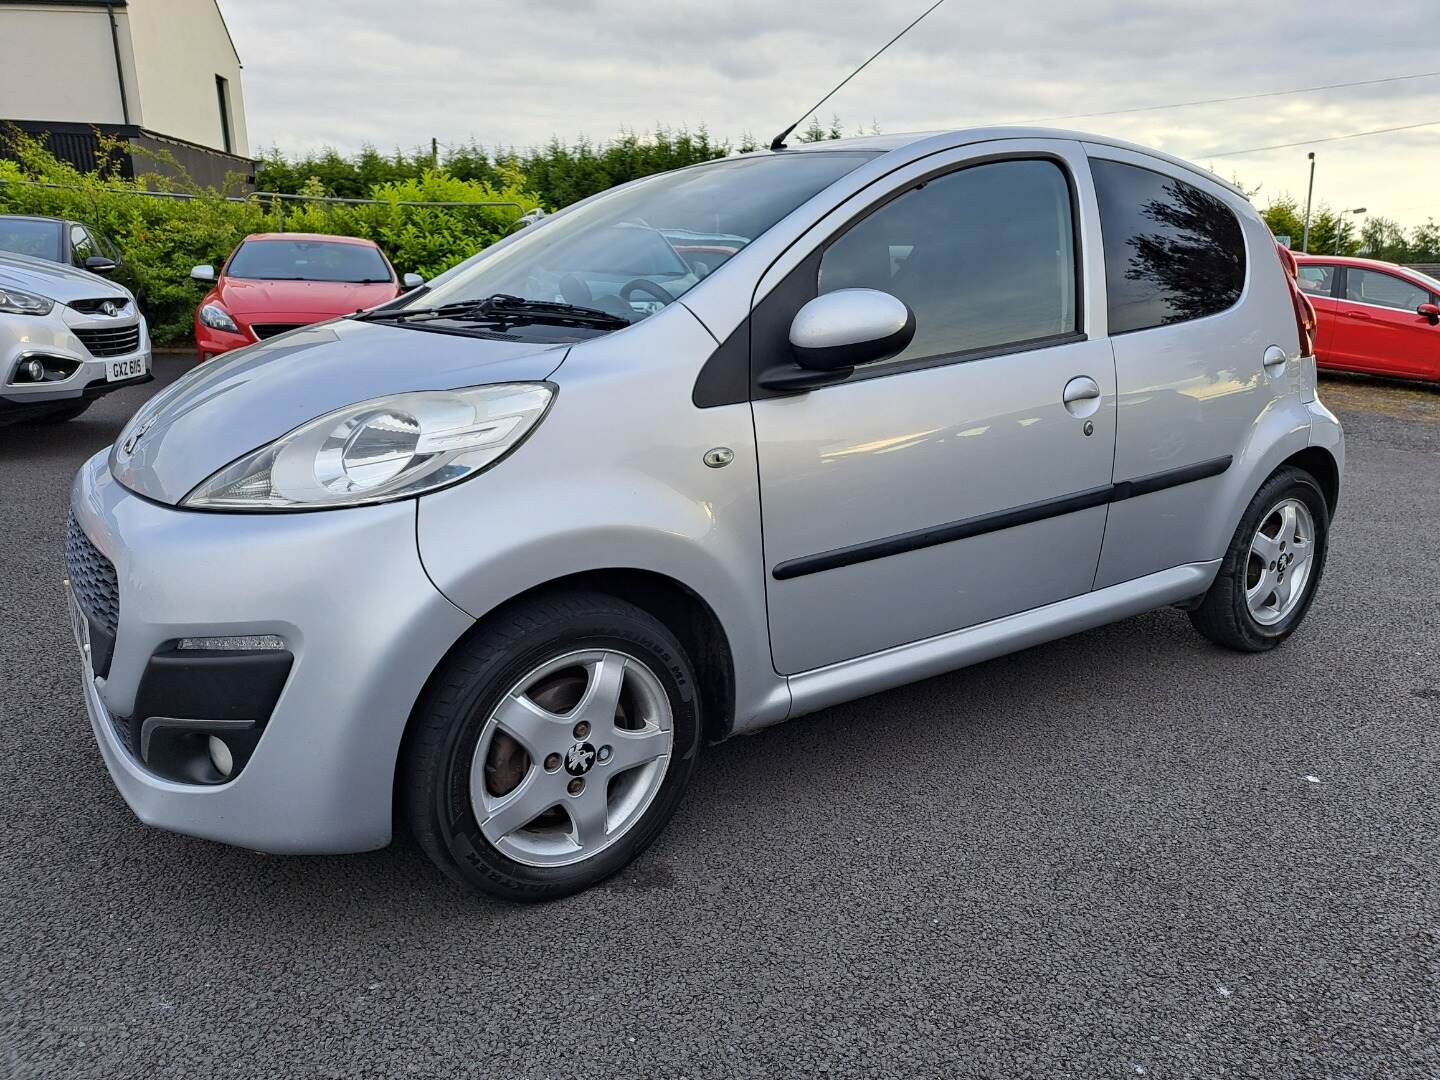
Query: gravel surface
[1123,854]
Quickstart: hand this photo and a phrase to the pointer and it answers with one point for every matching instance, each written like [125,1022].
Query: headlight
[389,448]
[217,318]
[15,302]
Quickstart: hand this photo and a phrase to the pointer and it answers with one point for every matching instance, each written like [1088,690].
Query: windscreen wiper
[503,309]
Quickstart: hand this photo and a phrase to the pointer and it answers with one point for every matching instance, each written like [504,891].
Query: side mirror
[1430,311]
[100,264]
[204,272]
[412,281]
[842,329]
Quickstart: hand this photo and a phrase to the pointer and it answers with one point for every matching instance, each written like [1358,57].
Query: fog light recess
[221,757]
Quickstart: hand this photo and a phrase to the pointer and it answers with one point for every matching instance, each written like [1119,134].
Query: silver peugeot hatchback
[701,453]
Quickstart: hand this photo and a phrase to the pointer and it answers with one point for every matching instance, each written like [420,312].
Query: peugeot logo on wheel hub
[579,758]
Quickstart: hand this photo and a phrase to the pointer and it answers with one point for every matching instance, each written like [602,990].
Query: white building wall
[179,48]
[57,63]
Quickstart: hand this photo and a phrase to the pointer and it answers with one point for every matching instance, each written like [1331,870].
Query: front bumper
[52,338]
[344,589]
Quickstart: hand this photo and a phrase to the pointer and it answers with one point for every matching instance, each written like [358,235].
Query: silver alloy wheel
[582,743]
[1282,555]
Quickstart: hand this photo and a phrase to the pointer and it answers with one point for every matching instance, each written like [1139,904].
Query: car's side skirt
[850,679]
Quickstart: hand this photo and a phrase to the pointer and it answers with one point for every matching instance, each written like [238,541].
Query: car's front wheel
[1272,568]
[552,747]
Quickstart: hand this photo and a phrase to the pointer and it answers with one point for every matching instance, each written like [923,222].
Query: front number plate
[115,370]
[79,625]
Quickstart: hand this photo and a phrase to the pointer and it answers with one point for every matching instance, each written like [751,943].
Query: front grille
[269,330]
[95,307]
[92,577]
[110,341]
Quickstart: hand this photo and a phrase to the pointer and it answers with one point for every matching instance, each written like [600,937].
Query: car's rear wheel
[552,747]
[1272,568]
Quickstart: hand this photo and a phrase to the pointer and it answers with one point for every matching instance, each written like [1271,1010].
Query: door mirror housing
[100,264]
[412,281]
[840,330]
[1430,311]
[204,272]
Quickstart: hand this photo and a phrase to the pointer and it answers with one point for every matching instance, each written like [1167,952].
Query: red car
[1374,317]
[275,282]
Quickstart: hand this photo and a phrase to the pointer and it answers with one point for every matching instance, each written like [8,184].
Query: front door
[1320,282]
[954,483]
[1377,327]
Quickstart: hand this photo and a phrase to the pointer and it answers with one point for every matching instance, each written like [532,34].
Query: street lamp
[1309,193]
[1340,224]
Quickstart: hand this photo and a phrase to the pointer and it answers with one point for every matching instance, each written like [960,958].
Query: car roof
[34,217]
[324,237]
[964,136]
[1348,260]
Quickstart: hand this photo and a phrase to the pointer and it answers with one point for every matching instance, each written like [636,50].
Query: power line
[1312,142]
[1238,97]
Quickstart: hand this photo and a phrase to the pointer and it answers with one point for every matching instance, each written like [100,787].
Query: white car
[66,337]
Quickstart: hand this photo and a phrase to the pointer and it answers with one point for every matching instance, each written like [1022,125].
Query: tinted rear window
[1172,251]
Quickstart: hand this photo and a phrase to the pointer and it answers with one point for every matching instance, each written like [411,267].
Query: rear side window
[1172,252]
[1317,280]
[984,256]
[1383,290]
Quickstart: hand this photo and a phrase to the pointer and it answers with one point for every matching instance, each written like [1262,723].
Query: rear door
[1377,327]
[1196,299]
[952,484]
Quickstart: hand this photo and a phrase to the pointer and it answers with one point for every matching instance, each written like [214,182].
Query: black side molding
[1003,519]
[1188,474]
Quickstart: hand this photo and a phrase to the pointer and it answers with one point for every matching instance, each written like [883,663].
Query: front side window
[308,260]
[1172,252]
[81,245]
[1383,290]
[1317,280]
[38,239]
[632,251]
[984,257]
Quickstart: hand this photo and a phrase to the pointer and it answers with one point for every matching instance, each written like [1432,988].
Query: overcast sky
[345,73]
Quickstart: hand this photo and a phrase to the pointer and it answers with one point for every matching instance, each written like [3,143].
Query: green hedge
[162,238]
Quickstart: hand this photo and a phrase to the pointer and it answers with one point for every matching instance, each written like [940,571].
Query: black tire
[1223,615]
[436,762]
[59,414]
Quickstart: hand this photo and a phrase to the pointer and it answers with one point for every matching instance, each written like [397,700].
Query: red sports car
[275,282]
[1374,317]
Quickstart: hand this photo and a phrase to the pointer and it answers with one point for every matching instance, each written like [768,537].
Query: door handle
[1081,396]
[1357,315]
[1275,357]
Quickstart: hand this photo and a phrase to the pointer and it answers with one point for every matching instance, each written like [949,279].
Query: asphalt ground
[1124,854]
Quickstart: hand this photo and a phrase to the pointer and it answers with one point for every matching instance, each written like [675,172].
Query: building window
[222,91]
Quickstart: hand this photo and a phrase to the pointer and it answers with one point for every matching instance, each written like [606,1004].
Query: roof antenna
[779,143]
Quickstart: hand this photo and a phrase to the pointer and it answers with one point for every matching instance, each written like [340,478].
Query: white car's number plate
[115,370]
[79,624]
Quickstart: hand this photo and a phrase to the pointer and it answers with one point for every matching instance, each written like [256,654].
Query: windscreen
[39,239]
[634,250]
[307,260]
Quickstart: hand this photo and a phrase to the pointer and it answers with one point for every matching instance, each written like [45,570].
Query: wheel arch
[1321,464]
[683,611]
